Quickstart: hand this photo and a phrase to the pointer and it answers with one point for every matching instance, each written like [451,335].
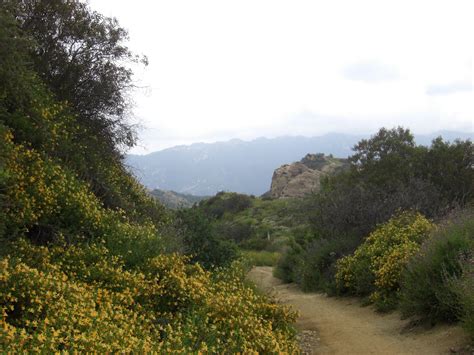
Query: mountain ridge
[242,166]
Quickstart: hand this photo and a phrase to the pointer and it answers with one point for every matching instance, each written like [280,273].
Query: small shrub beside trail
[376,266]
[434,283]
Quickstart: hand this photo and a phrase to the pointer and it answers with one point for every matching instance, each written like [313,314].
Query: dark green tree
[387,159]
[23,98]
[81,56]
[450,167]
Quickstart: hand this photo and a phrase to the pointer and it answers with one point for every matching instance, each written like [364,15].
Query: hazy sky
[243,69]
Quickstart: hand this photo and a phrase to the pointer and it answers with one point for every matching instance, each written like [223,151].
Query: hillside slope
[89,261]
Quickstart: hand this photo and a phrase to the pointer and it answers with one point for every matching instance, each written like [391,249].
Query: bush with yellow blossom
[80,298]
[376,266]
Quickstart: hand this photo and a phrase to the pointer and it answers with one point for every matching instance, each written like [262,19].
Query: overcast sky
[244,69]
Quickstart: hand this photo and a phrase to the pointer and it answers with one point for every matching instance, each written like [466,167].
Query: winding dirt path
[342,326]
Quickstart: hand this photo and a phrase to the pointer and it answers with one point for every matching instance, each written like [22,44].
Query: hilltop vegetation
[175,200]
[90,262]
[260,228]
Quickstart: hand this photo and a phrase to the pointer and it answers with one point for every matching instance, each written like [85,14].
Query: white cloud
[370,72]
[221,69]
[450,88]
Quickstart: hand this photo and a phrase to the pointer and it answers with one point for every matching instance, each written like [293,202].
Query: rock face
[294,180]
[302,178]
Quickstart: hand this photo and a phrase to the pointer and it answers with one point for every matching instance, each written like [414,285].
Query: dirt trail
[342,326]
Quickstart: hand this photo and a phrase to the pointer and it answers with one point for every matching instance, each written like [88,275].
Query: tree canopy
[82,57]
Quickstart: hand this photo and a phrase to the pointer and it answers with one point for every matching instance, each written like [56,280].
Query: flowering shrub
[77,276]
[40,192]
[46,311]
[376,266]
[81,268]
[82,299]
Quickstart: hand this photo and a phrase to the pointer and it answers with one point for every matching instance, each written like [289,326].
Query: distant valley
[241,166]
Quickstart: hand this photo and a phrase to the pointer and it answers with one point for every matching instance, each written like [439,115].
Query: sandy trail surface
[329,325]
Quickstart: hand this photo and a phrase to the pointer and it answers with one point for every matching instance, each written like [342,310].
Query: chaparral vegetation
[89,261]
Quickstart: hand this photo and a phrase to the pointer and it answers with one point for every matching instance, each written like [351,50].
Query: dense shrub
[46,312]
[311,262]
[289,264]
[63,298]
[376,266]
[425,289]
[202,243]
[318,268]
[350,206]
[258,243]
[237,231]
[46,199]
[225,202]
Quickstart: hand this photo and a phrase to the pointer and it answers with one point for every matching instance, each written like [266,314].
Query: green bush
[319,262]
[225,202]
[202,243]
[463,288]
[289,266]
[237,231]
[426,291]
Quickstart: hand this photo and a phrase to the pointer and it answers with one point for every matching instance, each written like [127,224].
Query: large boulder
[302,178]
[294,180]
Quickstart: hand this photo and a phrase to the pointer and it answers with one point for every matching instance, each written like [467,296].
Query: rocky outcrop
[294,180]
[302,178]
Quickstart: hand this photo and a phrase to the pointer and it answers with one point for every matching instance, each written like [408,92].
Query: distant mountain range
[242,166]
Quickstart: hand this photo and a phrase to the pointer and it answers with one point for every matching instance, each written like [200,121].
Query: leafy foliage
[81,57]
[255,223]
